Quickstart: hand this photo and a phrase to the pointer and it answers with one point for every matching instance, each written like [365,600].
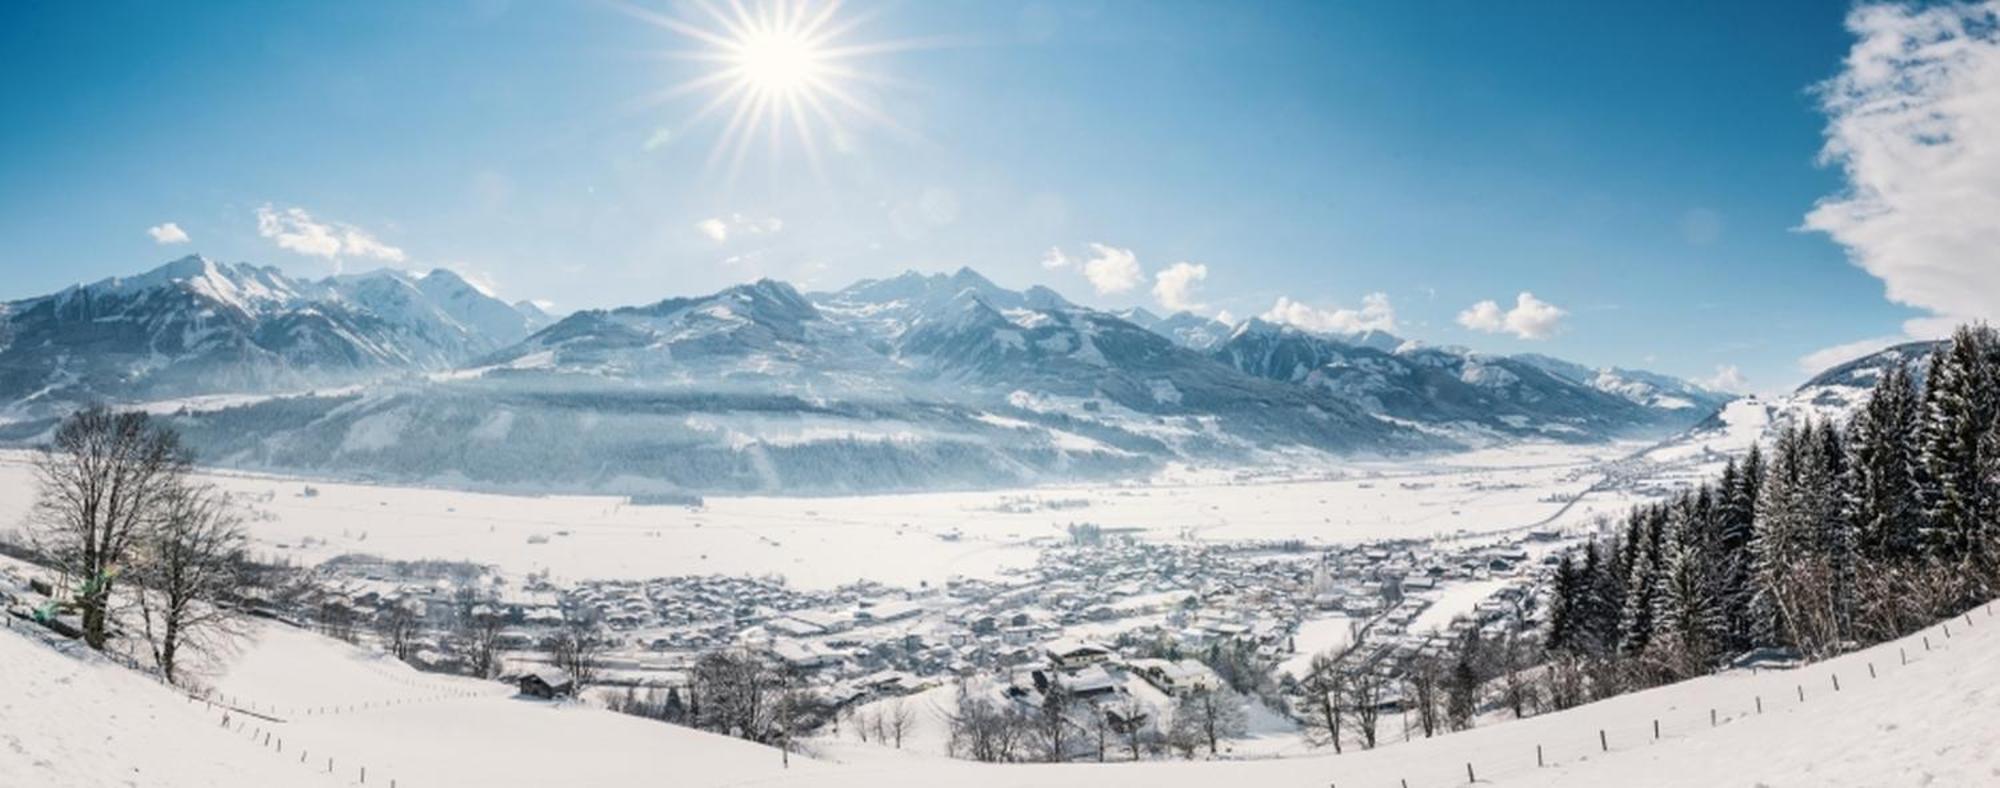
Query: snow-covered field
[909,539]
[71,719]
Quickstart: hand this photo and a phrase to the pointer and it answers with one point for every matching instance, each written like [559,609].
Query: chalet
[547,683]
[1068,654]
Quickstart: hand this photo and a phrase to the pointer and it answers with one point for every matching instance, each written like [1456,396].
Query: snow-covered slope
[1927,722]
[74,721]
[1909,712]
[71,719]
[1831,395]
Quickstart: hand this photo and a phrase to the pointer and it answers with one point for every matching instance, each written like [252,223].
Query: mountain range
[914,381]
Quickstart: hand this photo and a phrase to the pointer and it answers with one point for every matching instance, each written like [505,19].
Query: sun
[779,61]
[780,74]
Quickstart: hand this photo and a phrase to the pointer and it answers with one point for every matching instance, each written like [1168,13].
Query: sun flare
[781,71]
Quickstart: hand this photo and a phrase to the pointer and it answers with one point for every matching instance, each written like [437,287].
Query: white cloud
[1913,122]
[1531,317]
[1174,287]
[721,228]
[717,230]
[1727,378]
[169,233]
[1112,270]
[295,230]
[1054,259]
[1375,314]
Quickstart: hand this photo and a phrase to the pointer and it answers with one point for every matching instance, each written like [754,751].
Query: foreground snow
[70,719]
[1930,722]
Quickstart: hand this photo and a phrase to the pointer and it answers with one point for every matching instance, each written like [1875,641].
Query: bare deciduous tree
[398,625]
[1324,709]
[186,568]
[1212,715]
[1363,699]
[900,718]
[985,732]
[101,482]
[578,649]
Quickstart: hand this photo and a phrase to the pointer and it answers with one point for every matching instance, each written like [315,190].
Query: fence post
[1947,630]
[1603,743]
[1538,756]
[1871,670]
[1468,773]
[1836,682]
[1927,642]
[1802,693]
[1656,730]
[1904,655]
[1711,718]
[1760,704]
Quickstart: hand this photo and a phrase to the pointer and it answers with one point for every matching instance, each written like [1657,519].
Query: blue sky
[1644,170]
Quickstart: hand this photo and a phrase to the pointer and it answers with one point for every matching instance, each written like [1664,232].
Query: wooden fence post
[1538,756]
[1836,682]
[1603,743]
[1656,730]
[1760,704]
[1802,693]
[1871,670]
[1711,718]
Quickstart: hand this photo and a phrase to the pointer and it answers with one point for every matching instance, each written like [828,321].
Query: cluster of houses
[1029,630]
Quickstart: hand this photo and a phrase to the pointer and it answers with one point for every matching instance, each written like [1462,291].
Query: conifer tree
[1884,452]
[1961,404]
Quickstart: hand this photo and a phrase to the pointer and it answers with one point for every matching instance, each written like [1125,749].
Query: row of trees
[118,514]
[1062,726]
[1343,696]
[1840,535]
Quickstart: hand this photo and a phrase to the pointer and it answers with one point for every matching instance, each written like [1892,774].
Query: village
[1101,615]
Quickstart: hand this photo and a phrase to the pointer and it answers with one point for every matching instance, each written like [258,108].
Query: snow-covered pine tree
[1961,404]
[1563,598]
[1736,519]
[1883,455]
[1599,605]
[1687,614]
[1635,623]
[1778,539]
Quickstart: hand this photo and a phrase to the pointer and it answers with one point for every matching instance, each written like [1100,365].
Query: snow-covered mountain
[1651,389]
[196,326]
[1448,389]
[918,380]
[1834,394]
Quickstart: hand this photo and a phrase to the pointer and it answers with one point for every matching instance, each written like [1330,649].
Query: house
[1176,677]
[547,683]
[1069,654]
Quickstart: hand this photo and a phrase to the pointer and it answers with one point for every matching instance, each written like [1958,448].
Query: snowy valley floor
[71,719]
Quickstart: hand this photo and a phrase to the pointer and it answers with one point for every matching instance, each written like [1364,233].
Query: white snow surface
[69,719]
